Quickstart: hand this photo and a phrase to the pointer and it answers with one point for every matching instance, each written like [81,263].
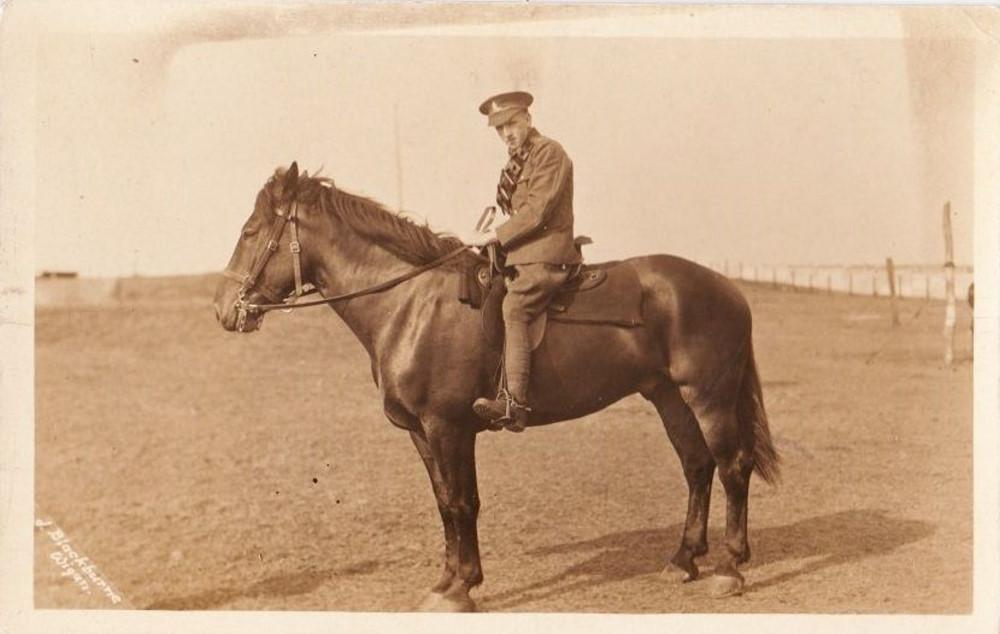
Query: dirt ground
[199,469]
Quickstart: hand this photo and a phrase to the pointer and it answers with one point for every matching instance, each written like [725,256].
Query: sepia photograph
[328,315]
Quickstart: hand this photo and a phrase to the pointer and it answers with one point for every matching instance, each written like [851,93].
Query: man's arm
[546,184]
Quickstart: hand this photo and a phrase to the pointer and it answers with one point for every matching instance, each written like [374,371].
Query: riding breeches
[528,296]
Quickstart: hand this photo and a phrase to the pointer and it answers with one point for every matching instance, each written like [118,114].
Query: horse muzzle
[248,316]
[239,315]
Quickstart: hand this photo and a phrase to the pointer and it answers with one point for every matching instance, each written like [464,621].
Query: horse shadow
[821,542]
[284,585]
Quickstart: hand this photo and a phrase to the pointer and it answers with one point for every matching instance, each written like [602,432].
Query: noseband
[248,281]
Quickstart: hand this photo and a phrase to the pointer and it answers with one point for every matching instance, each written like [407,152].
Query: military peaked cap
[501,108]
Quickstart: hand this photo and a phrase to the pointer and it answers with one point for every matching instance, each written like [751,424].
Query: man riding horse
[536,193]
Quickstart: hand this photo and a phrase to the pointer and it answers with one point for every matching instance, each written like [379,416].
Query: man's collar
[528,142]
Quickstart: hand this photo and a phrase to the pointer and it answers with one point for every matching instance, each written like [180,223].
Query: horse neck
[348,262]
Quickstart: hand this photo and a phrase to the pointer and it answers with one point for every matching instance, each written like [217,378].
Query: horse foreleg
[450,534]
[699,466]
[452,450]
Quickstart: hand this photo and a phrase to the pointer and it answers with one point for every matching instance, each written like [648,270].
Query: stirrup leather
[512,405]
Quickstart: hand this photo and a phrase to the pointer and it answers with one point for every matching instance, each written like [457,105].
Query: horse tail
[753,416]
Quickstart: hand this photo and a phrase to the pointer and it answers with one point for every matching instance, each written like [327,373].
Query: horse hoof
[674,573]
[437,602]
[681,567]
[723,586]
[430,602]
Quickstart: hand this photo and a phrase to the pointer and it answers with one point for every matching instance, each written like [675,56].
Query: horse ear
[291,177]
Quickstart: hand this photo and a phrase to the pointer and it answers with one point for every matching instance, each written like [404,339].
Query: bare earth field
[199,469]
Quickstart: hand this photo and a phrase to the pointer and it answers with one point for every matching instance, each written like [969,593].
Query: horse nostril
[218,314]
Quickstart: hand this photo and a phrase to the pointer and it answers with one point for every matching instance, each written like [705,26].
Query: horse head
[262,269]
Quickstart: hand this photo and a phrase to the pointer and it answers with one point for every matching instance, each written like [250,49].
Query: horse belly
[582,368]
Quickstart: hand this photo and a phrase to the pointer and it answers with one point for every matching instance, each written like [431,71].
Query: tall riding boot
[510,410]
[517,365]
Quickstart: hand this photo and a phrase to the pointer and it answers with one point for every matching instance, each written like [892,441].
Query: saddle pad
[607,293]
[616,299]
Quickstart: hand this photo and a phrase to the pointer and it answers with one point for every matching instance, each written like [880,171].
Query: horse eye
[249,231]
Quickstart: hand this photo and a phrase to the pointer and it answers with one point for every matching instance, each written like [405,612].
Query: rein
[371,290]
[249,281]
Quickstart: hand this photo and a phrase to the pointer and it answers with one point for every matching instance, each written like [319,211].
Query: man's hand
[477,238]
[486,238]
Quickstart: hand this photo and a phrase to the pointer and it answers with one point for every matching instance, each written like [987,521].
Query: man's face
[514,132]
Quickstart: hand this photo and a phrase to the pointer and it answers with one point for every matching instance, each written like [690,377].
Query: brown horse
[692,358]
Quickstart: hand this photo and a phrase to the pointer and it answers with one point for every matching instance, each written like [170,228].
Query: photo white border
[17,196]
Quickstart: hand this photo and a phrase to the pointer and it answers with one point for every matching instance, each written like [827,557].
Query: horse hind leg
[699,467]
[732,448]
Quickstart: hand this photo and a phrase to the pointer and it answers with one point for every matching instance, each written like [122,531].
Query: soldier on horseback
[535,192]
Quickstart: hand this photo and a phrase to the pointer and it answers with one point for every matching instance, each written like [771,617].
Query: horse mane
[412,242]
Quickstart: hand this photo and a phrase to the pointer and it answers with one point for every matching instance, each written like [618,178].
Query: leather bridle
[249,281]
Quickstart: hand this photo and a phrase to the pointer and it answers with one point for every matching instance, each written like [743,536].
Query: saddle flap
[474,285]
[491,308]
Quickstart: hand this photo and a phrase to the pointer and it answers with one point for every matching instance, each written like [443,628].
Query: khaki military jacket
[540,228]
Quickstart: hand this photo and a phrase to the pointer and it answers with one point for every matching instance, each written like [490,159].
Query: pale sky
[788,144]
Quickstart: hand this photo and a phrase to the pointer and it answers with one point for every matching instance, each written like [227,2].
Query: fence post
[829,283]
[927,285]
[891,271]
[850,282]
[949,288]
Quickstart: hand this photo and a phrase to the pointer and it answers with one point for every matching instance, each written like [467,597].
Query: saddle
[606,293]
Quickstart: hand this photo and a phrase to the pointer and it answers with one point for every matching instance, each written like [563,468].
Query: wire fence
[918,282]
